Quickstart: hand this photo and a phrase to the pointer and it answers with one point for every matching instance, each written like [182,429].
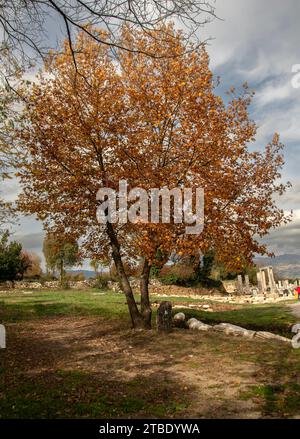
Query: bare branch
[25,23]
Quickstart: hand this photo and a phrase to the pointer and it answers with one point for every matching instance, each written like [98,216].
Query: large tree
[156,122]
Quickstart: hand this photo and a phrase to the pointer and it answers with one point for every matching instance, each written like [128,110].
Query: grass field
[72,354]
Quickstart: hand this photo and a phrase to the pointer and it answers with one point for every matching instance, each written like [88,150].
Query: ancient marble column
[263,280]
[240,284]
[247,284]
[259,282]
[271,280]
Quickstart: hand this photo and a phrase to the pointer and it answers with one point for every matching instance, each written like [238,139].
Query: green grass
[16,307]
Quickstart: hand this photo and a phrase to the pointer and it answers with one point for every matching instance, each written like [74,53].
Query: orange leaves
[154,122]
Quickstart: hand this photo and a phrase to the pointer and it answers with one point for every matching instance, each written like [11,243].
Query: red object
[298,290]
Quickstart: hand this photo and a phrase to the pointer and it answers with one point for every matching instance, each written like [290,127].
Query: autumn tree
[154,123]
[60,253]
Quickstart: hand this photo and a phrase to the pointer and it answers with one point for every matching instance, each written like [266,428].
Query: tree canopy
[60,253]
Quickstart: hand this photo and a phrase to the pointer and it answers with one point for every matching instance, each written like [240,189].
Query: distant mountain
[87,273]
[278,260]
[286,266]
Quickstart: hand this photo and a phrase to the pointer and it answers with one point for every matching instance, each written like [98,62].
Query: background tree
[60,253]
[210,270]
[203,267]
[13,263]
[96,265]
[155,122]
[34,270]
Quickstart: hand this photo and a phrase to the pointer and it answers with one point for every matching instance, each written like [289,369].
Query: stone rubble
[179,317]
[23,285]
[231,299]
[196,325]
[228,329]
[205,308]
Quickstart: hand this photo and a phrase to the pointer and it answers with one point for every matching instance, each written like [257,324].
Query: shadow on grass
[73,394]
[279,394]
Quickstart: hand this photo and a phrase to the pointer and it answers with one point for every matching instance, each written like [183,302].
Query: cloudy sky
[258,42]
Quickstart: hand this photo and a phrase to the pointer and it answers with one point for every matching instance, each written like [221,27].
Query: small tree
[13,263]
[60,254]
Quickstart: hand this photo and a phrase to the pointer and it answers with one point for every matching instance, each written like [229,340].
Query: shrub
[102,281]
[177,274]
[75,277]
[131,270]
[47,277]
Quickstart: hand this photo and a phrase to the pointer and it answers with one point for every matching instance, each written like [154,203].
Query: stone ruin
[266,285]
[193,324]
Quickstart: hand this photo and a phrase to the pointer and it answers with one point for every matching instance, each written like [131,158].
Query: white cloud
[261,38]
[275,91]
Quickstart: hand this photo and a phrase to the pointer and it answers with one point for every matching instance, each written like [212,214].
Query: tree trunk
[136,317]
[145,302]
[61,271]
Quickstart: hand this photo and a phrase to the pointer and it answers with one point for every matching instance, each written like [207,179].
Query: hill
[286,265]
